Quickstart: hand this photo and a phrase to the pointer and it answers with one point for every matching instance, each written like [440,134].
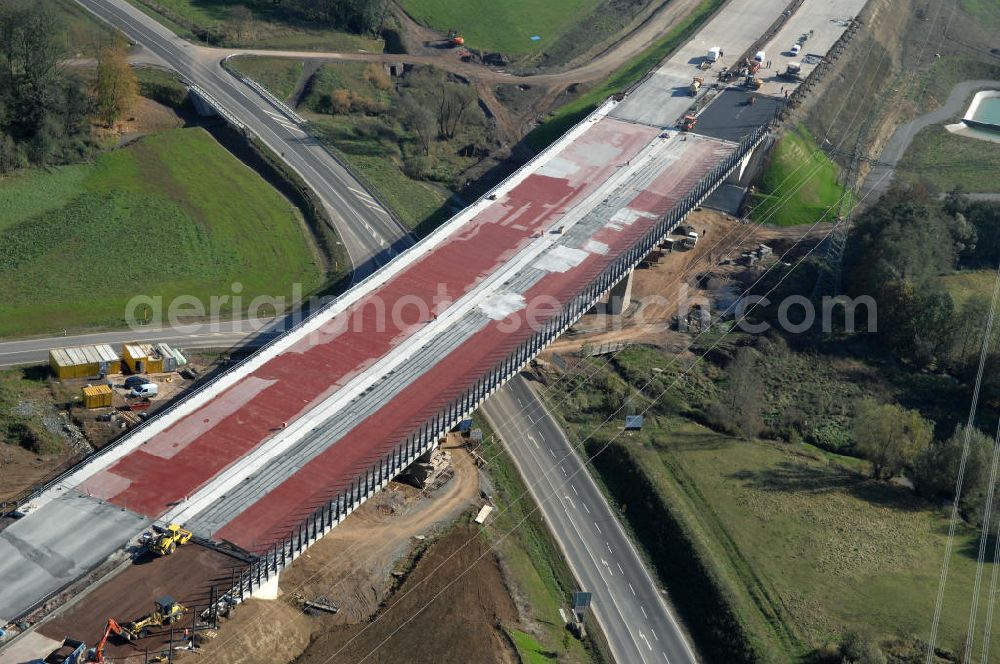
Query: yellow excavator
[168,539]
[166,612]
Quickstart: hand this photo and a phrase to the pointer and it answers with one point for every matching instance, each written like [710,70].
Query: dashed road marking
[586,508]
[598,527]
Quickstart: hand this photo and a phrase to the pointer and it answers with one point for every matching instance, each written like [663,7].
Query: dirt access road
[586,69]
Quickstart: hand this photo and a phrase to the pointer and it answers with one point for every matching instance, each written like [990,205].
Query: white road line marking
[586,508]
[609,547]
[574,489]
[646,640]
[665,657]
[643,609]
[552,453]
[563,468]
[598,527]
[653,632]
[623,571]
[631,588]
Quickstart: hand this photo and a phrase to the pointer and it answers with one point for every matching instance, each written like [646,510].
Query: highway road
[370,234]
[627,601]
[217,335]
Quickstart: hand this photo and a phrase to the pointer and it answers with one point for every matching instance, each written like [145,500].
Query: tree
[858,648]
[241,22]
[117,87]
[889,436]
[454,100]
[936,471]
[418,119]
[738,410]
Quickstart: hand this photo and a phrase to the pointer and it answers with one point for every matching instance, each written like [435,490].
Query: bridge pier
[620,295]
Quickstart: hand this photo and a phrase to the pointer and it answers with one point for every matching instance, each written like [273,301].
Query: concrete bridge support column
[620,295]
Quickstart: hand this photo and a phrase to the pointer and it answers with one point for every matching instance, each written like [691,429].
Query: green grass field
[279,75]
[969,283]
[567,115]
[943,161]
[811,547]
[273,26]
[799,185]
[172,214]
[502,26]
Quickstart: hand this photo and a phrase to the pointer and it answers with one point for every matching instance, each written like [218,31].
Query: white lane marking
[643,609]
[633,590]
[598,527]
[653,632]
[586,508]
[605,563]
[608,544]
[646,640]
[533,441]
[563,468]
[665,657]
[623,572]
[552,453]
[570,501]
[573,486]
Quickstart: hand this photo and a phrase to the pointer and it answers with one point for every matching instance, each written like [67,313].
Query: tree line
[360,16]
[46,108]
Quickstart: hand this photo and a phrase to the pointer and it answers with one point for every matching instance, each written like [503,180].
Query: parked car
[133,382]
[796,48]
[146,391]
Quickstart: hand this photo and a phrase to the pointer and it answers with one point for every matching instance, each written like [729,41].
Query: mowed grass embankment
[172,214]
[502,26]
[799,185]
[567,115]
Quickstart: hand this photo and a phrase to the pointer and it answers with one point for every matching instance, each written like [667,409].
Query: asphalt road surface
[370,234]
[626,599]
[219,335]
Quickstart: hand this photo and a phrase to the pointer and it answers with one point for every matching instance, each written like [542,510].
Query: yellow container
[97,396]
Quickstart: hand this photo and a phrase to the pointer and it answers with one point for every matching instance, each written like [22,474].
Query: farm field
[272,25]
[799,184]
[507,27]
[172,214]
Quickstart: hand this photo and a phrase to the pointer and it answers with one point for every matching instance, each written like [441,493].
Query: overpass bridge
[281,448]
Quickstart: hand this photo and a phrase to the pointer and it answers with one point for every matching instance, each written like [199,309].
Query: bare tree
[419,119]
[454,100]
[117,87]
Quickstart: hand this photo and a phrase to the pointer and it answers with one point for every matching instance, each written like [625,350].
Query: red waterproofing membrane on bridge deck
[177,462]
[277,513]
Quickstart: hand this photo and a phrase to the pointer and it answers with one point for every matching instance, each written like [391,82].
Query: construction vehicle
[167,611]
[70,652]
[167,539]
[97,654]
[689,122]
[696,84]
[753,66]
[793,71]
[455,39]
[753,82]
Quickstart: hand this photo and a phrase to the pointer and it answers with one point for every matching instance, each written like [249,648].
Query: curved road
[879,178]
[370,234]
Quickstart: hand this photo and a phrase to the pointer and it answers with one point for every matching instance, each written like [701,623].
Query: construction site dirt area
[452,607]
[187,575]
[355,570]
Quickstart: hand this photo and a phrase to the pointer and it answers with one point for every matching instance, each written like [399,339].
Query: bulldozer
[168,539]
[688,123]
[166,612]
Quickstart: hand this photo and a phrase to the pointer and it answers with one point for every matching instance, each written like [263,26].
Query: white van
[147,390]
